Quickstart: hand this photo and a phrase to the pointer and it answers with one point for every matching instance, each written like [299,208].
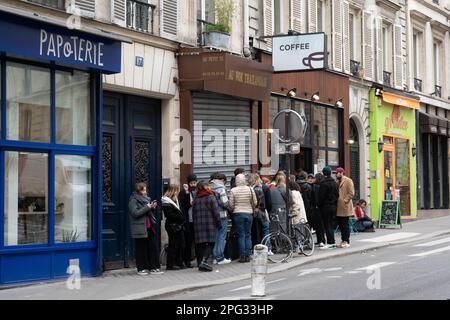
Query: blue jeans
[243,223]
[221,240]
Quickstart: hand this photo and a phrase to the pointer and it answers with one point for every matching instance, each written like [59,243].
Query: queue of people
[197,217]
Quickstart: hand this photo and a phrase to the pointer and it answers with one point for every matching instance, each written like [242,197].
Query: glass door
[388,173]
[402,175]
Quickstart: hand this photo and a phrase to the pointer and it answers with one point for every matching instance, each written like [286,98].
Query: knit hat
[191,177]
[340,170]
[326,171]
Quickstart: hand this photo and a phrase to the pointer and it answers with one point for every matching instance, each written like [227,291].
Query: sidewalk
[127,285]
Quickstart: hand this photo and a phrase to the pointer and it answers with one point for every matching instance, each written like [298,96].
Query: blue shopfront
[50,148]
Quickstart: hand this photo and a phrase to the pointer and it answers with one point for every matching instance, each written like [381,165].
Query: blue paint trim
[2,199]
[51,197]
[53,103]
[99,180]
[3,99]
[46,248]
[25,145]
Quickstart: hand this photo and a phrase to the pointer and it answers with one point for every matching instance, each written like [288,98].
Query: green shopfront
[50,148]
[392,146]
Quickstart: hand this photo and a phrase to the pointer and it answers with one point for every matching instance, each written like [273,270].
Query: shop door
[388,173]
[131,153]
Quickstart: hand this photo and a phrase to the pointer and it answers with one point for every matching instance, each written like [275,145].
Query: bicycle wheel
[279,245]
[304,239]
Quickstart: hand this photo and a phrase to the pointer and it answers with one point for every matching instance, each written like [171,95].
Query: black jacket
[184,200]
[307,194]
[172,214]
[328,193]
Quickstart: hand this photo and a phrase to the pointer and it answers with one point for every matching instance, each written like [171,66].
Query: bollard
[259,270]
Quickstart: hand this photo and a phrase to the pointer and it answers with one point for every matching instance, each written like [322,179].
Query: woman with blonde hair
[261,222]
[174,226]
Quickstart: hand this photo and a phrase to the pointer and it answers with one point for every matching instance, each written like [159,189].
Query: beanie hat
[326,171]
[340,170]
[191,177]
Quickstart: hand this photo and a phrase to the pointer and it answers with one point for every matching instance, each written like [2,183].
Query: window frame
[53,149]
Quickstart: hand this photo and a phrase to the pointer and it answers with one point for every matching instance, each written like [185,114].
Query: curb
[287,266]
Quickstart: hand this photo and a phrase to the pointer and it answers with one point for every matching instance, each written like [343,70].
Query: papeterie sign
[46,42]
[299,52]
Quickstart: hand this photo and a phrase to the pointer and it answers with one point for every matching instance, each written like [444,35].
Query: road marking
[391,237]
[433,243]
[275,281]
[333,269]
[309,271]
[376,266]
[353,272]
[427,253]
[334,277]
[249,286]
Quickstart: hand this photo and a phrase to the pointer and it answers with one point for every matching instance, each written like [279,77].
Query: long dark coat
[206,216]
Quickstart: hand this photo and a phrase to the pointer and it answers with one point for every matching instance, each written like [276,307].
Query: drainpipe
[245,25]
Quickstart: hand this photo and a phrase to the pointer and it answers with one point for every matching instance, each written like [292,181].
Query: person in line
[364,223]
[297,204]
[314,181]
[185,199]
[206,217]
[345,206]
[143,224]
[280,199]
[260,225]
[233,179]
[328,199]
[242,203]
[217,183]
[175,224]
[306,190]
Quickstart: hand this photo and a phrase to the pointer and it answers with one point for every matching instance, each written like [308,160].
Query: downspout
[246,26]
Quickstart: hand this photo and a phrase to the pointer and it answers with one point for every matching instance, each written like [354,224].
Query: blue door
[131,153]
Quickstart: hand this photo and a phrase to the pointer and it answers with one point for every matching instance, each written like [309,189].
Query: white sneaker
[143,273]
[270,253]
[328,246]
[321,245]
[313,231]
[214,261]
[224,261]
[156,271]
[345,245]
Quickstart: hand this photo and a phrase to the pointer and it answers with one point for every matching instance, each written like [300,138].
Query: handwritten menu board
[390,217]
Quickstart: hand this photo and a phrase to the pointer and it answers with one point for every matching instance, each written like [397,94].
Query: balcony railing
[438,91]
[202,26]
[417,84]
[355,68]
[436,2]
[140,16]
[387,78]
[55,4]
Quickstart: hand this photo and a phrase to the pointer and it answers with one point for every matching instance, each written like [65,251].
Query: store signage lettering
[395,121]
[55,46]
[247,78]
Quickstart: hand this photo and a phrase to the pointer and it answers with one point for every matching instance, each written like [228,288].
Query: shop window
[320,126]
[26,198]
[320,158]
[28,103]
[74,111]
[333,128]
[72,199]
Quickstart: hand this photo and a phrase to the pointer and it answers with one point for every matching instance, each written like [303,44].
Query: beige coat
[346,194]
[298,207]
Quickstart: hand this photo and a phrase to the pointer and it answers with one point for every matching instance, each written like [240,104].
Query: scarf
[143,200]
[205,193]
[167,200]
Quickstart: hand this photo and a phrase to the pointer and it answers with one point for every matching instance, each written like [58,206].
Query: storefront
[50,147]
[220,98]
[392,150]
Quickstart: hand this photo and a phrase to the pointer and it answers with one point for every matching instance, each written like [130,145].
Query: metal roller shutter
[221,112]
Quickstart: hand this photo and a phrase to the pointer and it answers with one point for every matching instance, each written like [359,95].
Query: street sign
[291,126]
[287,148]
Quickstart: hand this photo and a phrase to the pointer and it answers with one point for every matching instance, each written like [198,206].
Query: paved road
[417,270]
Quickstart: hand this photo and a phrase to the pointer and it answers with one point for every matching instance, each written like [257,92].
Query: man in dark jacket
[328,199]
[186,198]
[307,194]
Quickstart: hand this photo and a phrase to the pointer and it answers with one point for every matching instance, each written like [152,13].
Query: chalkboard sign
[390,217]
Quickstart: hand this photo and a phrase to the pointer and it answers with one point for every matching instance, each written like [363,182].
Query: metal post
[288,157]
[259,270]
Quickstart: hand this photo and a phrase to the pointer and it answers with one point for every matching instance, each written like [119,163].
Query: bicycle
[281,244]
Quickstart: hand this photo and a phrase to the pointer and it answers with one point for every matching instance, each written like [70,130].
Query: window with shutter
[398,59]
[380,54]
[346,33]
[368,45]
[119,12]
[82,7]
[296,15]
[268,21]
[169,18]
[337,34]
[313,16]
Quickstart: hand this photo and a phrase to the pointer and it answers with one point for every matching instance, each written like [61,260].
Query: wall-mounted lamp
[351,141]
[315,96]
[380,145]
[339,103]
[378,92]
[414,150]
[292,93]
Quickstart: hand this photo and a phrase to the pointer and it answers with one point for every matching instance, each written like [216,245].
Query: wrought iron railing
[417,84]
[387,78]
[355,68]
[438,91]
[140,16]
[202,27]
[55,4]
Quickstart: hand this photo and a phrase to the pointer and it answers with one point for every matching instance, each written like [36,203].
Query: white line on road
[334,277]
[309,271]
[427,253]
[433,243]
[353,272]
[249,286]
[391,237]
[333,269]
[376,266]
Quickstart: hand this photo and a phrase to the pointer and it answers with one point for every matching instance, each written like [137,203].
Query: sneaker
[321,245]
[143,273]
[328,246]
[270,253]
[345,245]
[205,267]
[156,271]
[224,261]
[215,261]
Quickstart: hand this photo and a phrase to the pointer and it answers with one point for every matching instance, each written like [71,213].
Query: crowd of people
[197,218]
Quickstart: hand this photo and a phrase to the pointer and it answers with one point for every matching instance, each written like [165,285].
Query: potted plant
[219,34]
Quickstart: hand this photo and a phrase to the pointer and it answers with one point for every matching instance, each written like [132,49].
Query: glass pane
[273,110]
[388,176]
[73,199]
[319,126]
[28,103]
[333,128]
[402,175]
[26,198]
[333,158]
[303,108]
[319,159]
[74,112]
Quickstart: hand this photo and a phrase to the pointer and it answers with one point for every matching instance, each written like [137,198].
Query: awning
[401,100]
[433,124]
